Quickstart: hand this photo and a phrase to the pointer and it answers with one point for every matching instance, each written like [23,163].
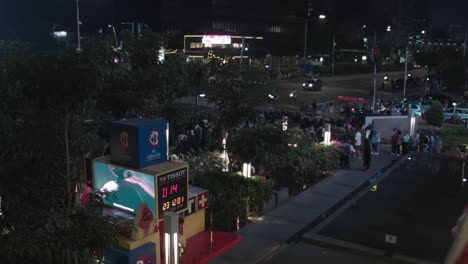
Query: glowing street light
[389,28]
[322,16]
[423,31]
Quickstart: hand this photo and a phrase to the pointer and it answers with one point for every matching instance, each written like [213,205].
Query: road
[358,85]
[416,202]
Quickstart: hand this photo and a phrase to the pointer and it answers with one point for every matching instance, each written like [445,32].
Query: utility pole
[305,38]
[406,72]
[464,62]
[375,80]
[78,47]
[375,72]
[333,56]
[241,57]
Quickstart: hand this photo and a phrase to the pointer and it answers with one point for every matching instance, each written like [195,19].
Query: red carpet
[197,250]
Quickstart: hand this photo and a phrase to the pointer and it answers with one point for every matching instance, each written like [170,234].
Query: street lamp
[322,16]
[389,28]
[78,35]
[423,32]
[115,36]
[197,95]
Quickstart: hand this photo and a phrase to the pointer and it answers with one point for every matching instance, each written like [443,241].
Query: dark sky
[449,12]
[30,19]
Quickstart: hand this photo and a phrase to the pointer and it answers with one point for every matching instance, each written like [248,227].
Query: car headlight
[311,85]
[303,84]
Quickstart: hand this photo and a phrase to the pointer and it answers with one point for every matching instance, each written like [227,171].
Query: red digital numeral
[164,192]
[174,188]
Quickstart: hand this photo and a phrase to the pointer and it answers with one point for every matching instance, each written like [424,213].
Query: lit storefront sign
[209,40]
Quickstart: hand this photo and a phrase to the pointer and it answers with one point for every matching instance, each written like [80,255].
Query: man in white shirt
[358,143]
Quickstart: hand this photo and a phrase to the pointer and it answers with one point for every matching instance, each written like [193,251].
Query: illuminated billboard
[209,40]
[126,188]
[163,187]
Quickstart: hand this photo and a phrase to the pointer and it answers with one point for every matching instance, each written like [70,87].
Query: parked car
[425,104]
[312,85]
[456,112]
[412,108]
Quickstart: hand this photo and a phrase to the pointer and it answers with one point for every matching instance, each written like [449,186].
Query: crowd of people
[422,140]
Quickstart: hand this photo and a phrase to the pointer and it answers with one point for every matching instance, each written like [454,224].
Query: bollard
[211,233]
[463,174]
[276,199]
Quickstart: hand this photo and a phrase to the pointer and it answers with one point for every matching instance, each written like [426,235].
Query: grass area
[450,134]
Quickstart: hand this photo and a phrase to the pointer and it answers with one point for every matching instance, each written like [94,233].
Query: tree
[53,96]
[435,114]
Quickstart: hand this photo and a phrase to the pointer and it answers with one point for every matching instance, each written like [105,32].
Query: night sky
[30,19]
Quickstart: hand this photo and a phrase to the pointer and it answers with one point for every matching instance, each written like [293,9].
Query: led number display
[172,191]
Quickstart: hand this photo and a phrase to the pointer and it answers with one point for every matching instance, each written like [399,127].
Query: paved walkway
[294,217]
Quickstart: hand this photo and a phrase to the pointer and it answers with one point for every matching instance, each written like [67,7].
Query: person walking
[358,143]
[367,154]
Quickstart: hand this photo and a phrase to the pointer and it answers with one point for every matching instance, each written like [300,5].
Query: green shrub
[228,197]
[435,115]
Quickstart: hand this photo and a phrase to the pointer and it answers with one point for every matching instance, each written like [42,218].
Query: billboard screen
[209,40]
[127,188]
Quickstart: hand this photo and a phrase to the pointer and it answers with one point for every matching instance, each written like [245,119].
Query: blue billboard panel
[139,142]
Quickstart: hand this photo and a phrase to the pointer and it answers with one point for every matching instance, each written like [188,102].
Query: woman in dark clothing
[367,153]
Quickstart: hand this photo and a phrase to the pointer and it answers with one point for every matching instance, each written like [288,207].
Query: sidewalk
[289,221]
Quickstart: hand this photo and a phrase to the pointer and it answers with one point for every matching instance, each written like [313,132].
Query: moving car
[312,85]
[412,108]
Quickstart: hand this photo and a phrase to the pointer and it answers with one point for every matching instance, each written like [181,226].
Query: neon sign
[209,40]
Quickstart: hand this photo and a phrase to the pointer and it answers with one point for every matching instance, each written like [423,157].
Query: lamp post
[196,103]
[406,72]
[115,36]
[306,22]
[78,37]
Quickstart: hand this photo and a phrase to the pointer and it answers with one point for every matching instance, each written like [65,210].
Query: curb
[298,235]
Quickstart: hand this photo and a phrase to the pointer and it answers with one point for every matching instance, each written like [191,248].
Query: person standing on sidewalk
[367,150]
[399,141]
[375,141]
[394,141]
[405,142]
[358,143]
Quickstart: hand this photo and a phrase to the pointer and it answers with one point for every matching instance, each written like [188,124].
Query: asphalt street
[358,85]
[416,202]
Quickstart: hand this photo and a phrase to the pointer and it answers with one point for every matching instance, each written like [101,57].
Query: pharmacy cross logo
[154,138]
[202,201]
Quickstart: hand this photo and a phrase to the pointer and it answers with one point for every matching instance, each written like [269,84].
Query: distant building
[456,32]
